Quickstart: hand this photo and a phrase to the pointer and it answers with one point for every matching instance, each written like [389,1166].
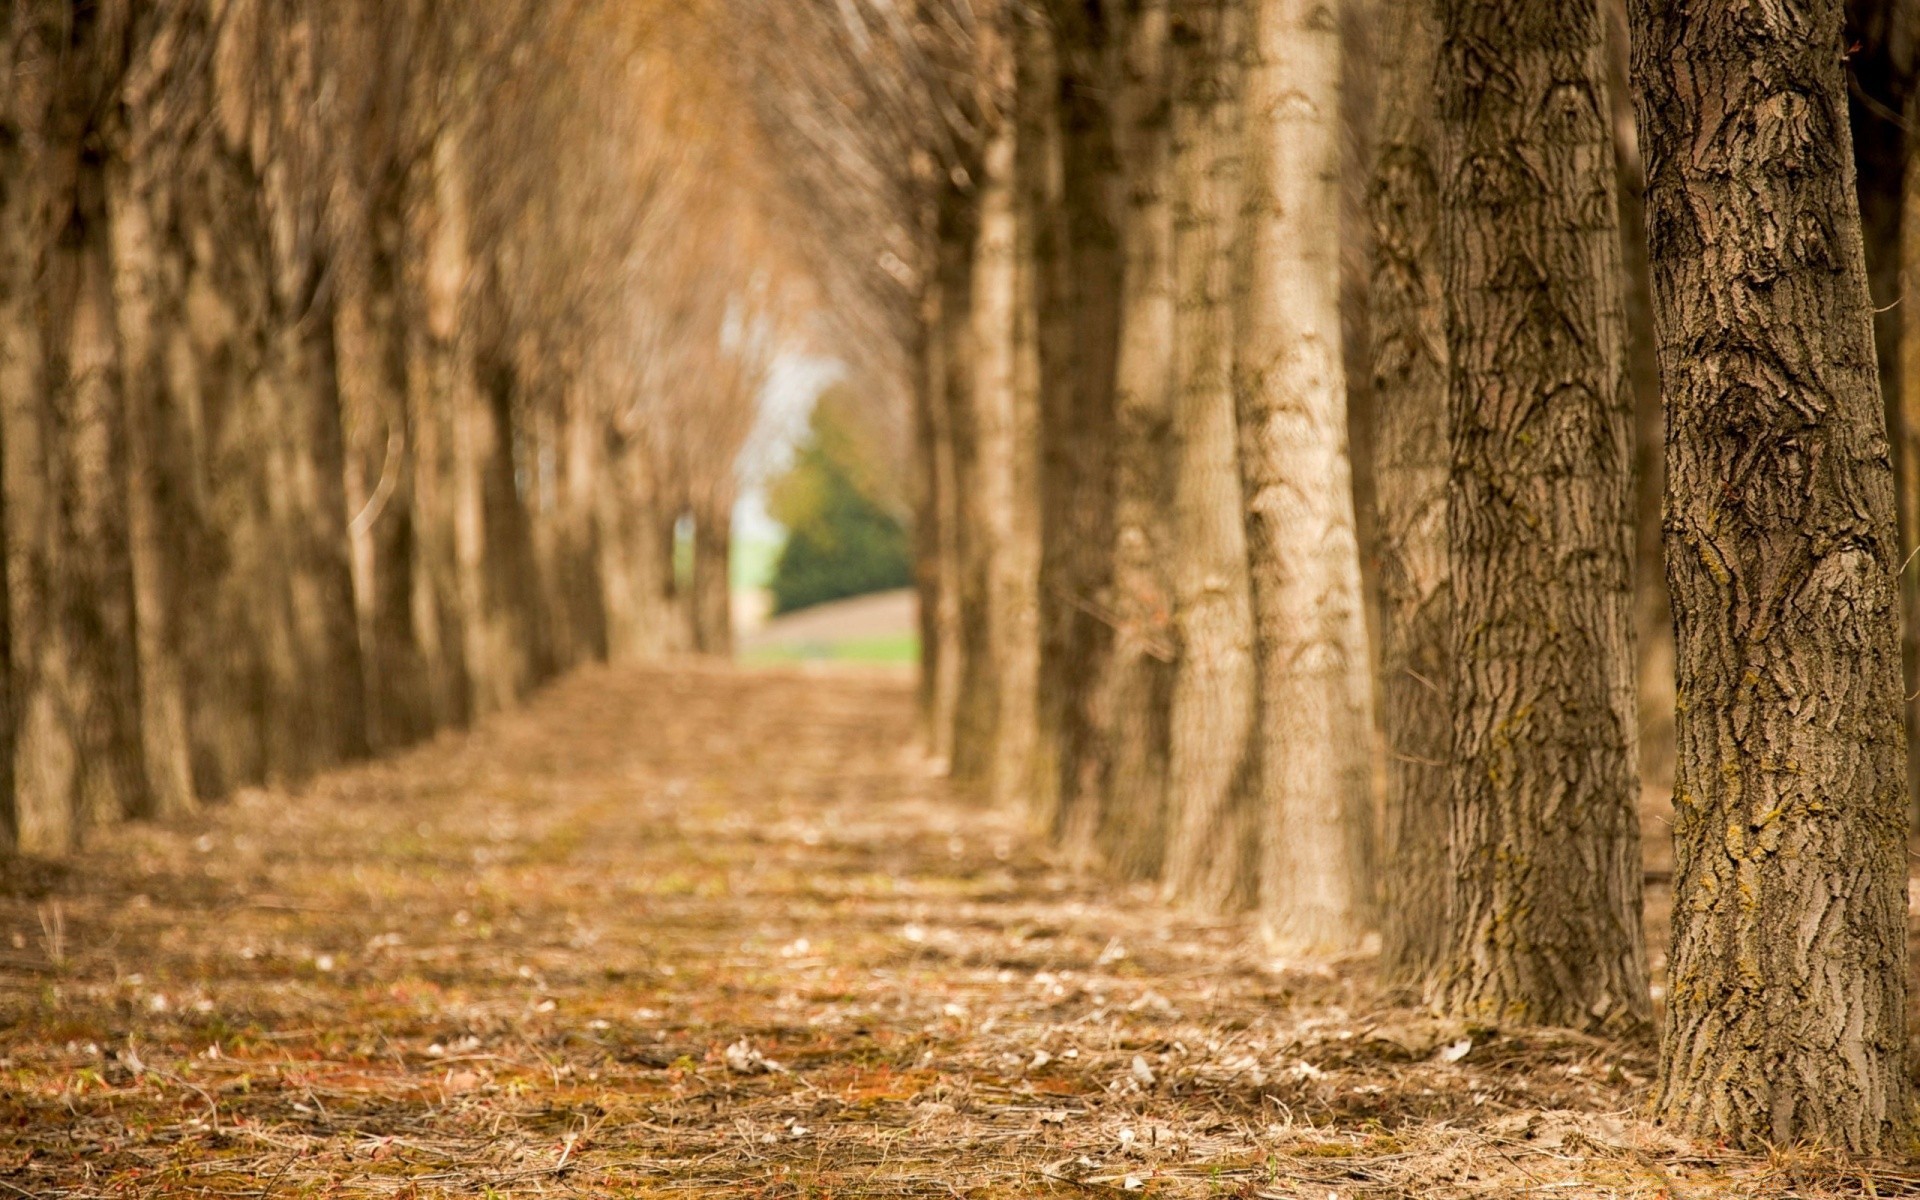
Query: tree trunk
[1313,796]
[320,719]
[1079,287]
[1133,692]
[146,271]
[1786,1012]
[18,378]
[936,553]
[1545,836]
[712,574]
[78,750]
[1411,465]
[941,542]
[635,566]
[1004,411]
[1653,622]
[977,703]
[582,454]
[1906,441]
[1211,711]
[380,454]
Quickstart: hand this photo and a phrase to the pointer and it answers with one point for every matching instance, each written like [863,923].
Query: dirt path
[715,931]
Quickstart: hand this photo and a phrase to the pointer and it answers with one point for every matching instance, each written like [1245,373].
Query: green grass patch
[894,648]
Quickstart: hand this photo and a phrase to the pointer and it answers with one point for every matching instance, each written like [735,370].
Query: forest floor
[715,931]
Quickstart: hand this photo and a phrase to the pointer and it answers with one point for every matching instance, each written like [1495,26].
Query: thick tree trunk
[318,713]
[506,569]
[1786,1011]
[977,699]
[1130,702]
[1006,437]
[1545,836]
[1411,466]
[944,655]
[1210,721]
[1313,793]
[1079,263]
[380,476]
[147,270]
[79,757]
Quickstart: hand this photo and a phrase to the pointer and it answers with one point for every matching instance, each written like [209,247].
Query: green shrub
[840,540]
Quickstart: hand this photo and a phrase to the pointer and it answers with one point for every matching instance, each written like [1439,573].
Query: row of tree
[1104,240]
[339,343]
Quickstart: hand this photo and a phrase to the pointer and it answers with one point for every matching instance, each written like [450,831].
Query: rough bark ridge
[1314,796]
[1411,465]
[1130,700]
[1785,1018]
[1211,713]
[1545,841]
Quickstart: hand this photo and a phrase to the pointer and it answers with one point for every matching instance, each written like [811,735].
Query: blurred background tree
[844,538]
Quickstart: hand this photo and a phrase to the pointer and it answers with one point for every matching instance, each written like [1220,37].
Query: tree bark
[79,758]
[376,312]
[1411,466]
[1211,710]
[1786,1012]
[1006,439]
[147,269]
[1079,287]
[944,653]
[1545,837]
[1313,792]
[1132,696]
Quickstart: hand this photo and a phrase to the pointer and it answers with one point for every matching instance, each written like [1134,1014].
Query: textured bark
[1132,695]
[1545,842]
[79,761]
[1785,1016]
[1313,794]
[1411,467]
[1211,709]
[1077,253]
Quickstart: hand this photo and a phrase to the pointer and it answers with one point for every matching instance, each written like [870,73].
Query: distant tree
[842,541]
